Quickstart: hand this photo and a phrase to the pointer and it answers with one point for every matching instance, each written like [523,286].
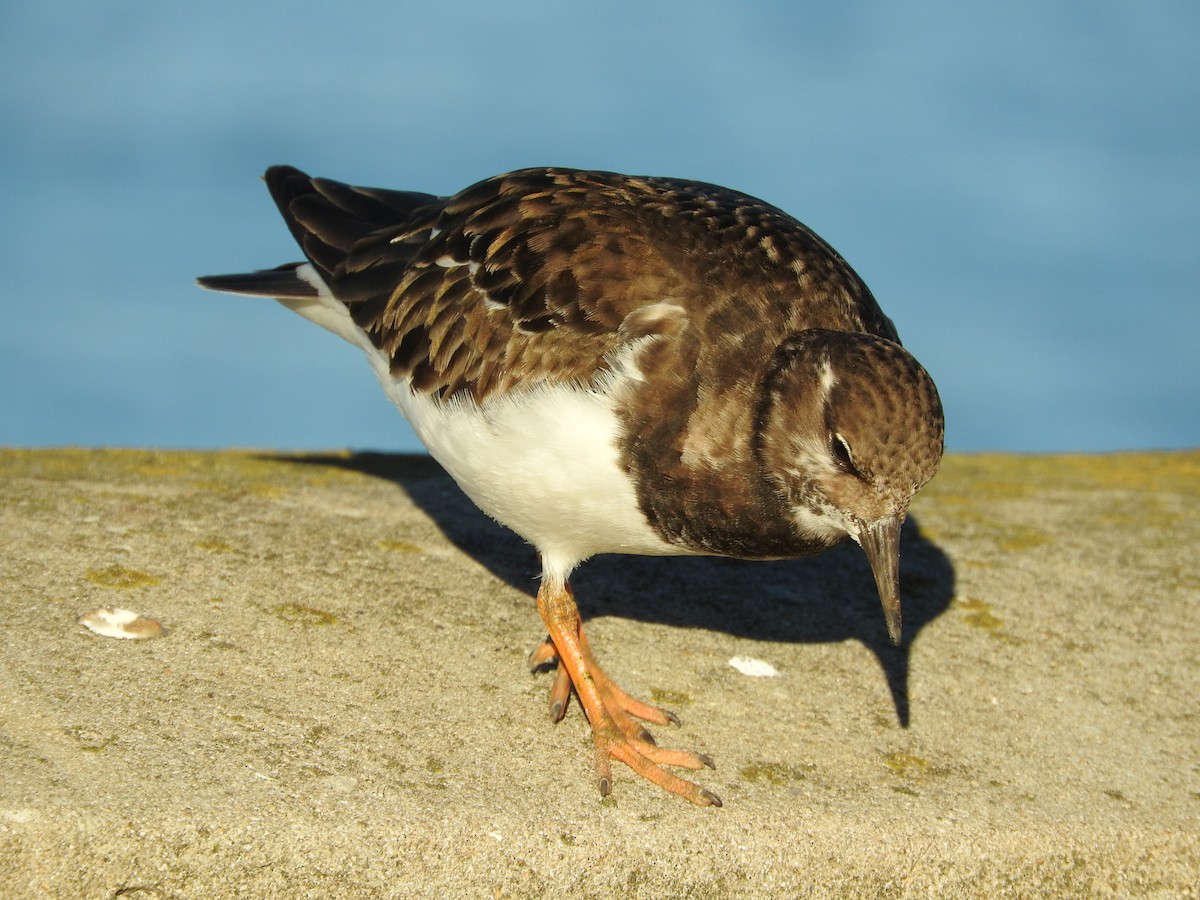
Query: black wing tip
[278,176]
[286,184]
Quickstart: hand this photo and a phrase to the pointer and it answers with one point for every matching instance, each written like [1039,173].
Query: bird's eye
[839,449]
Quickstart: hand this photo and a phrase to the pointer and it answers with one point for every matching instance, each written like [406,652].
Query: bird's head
[851,428]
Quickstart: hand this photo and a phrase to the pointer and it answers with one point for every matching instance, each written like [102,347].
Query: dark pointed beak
[880,540]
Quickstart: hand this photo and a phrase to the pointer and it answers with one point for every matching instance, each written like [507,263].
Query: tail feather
[358,240]
[279,282]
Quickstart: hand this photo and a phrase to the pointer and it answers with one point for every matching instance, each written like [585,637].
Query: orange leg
[610,710]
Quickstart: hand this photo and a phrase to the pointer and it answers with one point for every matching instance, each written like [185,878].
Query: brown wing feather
[529,276]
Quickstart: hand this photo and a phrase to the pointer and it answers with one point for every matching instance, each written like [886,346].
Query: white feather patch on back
[324,309]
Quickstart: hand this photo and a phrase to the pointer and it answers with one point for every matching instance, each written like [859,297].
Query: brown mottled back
[529,276]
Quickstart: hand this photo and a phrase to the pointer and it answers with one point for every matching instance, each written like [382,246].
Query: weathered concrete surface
[340,707]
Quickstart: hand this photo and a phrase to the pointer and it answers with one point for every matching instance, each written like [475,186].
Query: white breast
[543,461]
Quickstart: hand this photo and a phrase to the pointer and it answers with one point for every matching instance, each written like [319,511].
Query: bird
[608,363]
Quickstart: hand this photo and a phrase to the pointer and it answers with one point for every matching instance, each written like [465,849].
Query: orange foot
[611,712]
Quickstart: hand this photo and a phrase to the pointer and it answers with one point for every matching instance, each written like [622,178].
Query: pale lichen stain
[1019,538]
[299,614]
[215,545]
[978,614]
[400,547]
[669,698]
[773,773]
[120,577]
[90,741]
[905,764]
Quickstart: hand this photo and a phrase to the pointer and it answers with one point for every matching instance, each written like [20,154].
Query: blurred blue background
[1018,183]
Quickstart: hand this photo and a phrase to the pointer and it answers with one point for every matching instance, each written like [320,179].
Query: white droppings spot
[110,621]
[496,836]
[755,668]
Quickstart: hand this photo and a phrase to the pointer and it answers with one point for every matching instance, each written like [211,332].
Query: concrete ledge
[340,706]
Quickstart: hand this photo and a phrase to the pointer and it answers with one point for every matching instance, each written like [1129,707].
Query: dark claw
[713,799]
[708,761]
[671,717]
[648,738]
[558,709]
[606,788]
[544,665]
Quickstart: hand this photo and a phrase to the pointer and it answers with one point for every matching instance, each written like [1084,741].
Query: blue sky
[1019,185]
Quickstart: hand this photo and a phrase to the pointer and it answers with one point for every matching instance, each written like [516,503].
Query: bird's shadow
[822,599]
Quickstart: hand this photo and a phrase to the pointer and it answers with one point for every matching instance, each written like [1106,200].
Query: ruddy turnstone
[614,364]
